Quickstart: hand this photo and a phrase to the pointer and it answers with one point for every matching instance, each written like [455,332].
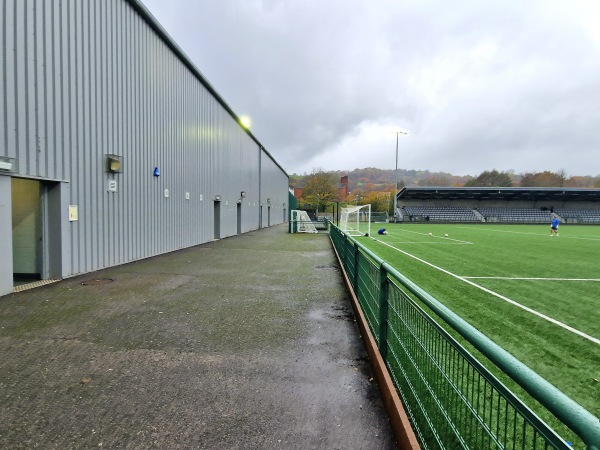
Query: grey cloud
[481,85]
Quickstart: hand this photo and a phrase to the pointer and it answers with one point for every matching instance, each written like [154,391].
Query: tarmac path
[247,342]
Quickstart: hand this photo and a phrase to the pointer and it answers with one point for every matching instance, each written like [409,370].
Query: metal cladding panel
[6,248]
[274,187]
[84,78]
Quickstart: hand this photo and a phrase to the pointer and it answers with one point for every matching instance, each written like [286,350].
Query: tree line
[376,186]
[494,178]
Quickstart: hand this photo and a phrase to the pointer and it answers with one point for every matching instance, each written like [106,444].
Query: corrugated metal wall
[84,78]
[272,197]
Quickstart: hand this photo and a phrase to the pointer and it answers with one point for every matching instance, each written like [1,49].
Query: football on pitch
[446,235]
[430,234]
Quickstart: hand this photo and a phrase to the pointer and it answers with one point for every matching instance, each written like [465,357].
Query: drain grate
[97,282]
[326,268]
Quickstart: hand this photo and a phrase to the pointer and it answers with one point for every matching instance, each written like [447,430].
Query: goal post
[356,220]
[301,223]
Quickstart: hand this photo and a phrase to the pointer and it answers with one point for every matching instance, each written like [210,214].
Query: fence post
[383,311]
[356,271]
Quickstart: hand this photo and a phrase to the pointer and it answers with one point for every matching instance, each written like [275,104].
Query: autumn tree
[544,179]
[581,181]
[491,178]
[320,189]
[380,201]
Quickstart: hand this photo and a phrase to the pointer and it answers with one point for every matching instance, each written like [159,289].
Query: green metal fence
[452,400]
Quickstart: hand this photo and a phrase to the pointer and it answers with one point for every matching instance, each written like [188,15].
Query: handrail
[567,410]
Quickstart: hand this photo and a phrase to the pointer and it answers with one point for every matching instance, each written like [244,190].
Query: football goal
[356,220]
[301,223]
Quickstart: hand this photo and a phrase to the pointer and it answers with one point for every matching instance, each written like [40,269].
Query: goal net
[301,223]
[379,217]
[356,220]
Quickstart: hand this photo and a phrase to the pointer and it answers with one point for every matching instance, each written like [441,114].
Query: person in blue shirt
[382,231]
[554,225]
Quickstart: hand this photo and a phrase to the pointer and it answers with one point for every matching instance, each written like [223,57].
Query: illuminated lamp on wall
[114,163]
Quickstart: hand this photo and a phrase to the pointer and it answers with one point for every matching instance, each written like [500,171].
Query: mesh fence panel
[368,286]
[452,399]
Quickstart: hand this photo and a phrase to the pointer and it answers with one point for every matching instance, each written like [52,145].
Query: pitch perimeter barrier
[453,401]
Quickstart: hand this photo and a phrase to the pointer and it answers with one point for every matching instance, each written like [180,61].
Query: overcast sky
[479,85]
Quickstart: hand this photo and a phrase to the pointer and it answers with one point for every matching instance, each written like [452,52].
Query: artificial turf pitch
[533,294]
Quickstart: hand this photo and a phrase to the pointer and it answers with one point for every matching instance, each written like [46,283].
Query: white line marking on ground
[533,279]
[501,297]
[584,238]
[435,236]
[428,243]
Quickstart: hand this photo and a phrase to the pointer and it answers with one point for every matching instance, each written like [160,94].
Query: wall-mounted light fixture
[245,121]
[8,164]
[114,163]
[243,194]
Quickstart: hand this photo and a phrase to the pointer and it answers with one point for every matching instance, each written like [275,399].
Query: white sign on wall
[73,216]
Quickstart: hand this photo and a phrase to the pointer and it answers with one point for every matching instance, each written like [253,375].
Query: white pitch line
[428,243]
[544,234]
[435,236]
[532,279]
[501,297]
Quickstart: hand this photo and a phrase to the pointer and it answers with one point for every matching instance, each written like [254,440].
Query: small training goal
[301,223]
[356,220]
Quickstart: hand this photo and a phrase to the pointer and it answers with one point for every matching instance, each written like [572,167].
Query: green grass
[558,277]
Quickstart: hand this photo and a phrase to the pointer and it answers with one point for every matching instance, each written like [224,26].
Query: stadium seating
[585,216]
[440,214]
[514,215]
[496,215]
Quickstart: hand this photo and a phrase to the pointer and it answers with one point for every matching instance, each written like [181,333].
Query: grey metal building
[113,145]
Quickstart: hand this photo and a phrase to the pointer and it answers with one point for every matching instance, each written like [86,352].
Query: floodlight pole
[404,133]
[396,174]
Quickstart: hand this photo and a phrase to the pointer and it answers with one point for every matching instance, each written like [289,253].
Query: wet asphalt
[247,342]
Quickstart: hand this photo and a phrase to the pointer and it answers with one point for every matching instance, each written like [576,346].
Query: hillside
[373,179]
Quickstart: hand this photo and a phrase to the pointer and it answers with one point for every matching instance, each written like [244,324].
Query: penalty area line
[426,243]
[583,238]
[531,279]
[445,238]
[501,297]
